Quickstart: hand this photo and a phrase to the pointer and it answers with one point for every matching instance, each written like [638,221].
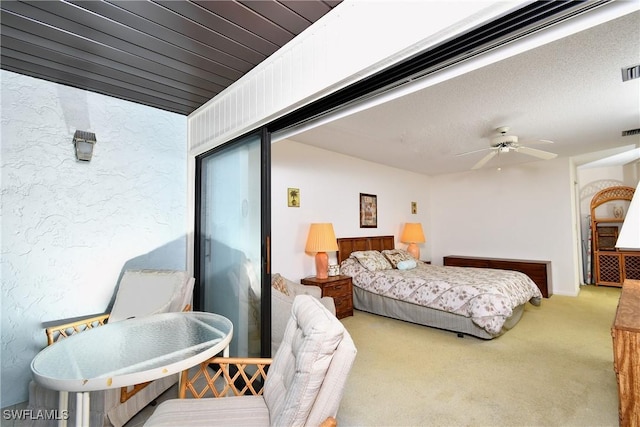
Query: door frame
[265,230]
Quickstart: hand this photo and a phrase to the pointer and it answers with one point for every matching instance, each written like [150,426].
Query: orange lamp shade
[413,234]
[321,239]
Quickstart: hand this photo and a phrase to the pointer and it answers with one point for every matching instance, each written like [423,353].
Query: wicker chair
[140,293]
[302,385]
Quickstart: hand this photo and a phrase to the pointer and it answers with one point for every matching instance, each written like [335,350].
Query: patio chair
[140,293]
[302,385]
[283,292]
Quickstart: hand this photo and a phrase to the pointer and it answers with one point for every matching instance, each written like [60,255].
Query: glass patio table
[129,352]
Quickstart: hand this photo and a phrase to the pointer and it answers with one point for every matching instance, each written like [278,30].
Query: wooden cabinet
[340,288]
[607,236]
[614,267]
[611,266]
[626,353]
[538,271]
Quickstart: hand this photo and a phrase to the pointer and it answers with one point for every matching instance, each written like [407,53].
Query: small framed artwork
[414,208]
[293,197]
[368,211]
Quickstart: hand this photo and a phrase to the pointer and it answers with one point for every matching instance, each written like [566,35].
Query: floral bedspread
[485,295]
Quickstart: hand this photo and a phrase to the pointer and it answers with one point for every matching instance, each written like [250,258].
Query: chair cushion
[301,362]
[328,400]
[145,292]
[235,411]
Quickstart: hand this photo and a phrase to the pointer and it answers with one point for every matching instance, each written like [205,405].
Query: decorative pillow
[396,255]
[407,265]
[372,260]
[280,284]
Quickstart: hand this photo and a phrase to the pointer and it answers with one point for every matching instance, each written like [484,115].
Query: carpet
[554,368]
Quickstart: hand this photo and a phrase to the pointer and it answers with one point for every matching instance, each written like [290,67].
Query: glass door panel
[230,240]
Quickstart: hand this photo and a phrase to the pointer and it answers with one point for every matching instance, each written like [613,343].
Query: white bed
[475,301]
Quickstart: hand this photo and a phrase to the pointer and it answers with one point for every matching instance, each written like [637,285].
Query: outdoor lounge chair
[140,293]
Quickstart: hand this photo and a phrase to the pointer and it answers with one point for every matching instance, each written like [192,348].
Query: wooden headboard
[346,245]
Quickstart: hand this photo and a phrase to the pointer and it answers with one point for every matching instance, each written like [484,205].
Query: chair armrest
[232,376]
[300,289]
[59,329]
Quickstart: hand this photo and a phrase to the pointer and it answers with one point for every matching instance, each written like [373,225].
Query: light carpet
[554,368]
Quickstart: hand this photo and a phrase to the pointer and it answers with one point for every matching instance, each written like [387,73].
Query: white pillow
[406,265]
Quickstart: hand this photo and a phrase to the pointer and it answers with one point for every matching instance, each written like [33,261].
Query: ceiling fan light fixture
[504,143]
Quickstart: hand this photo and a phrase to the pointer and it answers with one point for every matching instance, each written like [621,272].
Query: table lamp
[321,240]
[413,234]
[629,237]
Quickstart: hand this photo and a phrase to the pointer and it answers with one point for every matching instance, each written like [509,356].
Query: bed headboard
[346,245]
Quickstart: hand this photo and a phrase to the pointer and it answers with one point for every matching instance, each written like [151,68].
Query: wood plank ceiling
[172,55]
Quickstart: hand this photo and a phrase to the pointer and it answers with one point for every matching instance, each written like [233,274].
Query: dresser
[626,353]
[340,288]
[538,271]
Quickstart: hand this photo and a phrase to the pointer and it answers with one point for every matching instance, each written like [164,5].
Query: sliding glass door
[232,240]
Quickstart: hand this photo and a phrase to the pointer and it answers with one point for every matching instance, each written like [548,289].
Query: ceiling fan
[503,143]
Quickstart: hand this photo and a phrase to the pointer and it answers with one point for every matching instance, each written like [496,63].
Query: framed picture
[414,208]
[368,211]
[293,197]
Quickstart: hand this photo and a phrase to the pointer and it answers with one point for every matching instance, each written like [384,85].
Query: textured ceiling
[174,55]
[569,91]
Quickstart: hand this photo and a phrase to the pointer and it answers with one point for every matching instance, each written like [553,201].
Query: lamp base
[322,265]
[414,250]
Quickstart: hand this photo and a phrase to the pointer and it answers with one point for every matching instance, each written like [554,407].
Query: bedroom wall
[330,185]
[520,212]
[69,228]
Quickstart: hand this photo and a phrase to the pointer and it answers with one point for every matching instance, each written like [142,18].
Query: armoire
[611,265]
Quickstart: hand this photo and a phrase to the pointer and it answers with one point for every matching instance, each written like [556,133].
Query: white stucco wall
[69,228]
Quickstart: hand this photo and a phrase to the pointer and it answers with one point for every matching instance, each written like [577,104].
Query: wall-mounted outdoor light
[84,142]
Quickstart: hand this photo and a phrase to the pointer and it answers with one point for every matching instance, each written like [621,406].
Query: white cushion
[301,362]
[235,411]
[328,400]
[146,292]
[281,305]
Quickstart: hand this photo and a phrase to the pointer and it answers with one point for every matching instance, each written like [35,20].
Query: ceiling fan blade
[536,153]
[485,159]
[475,151]
[537,141]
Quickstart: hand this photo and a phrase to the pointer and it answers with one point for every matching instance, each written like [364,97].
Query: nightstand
[339,288]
